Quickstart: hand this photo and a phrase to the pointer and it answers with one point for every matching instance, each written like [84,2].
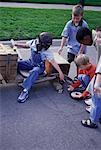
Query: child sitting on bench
[36,64]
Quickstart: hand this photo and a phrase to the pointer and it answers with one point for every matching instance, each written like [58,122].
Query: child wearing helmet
[40,52]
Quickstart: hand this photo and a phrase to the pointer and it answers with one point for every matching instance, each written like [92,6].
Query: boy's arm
[63,41]
[74,85]
[14,44]
[82,47]
[91,72]
[56,66]
[21,45]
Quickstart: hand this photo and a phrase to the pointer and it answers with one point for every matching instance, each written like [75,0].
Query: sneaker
[88,101]
[88,123]
[88,109]
[23,97]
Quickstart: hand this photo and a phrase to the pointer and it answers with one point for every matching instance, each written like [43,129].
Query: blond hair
[77,10]
[81,59]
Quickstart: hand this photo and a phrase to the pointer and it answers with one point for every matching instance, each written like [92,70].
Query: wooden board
[24,54]
[8,63]
[59,59]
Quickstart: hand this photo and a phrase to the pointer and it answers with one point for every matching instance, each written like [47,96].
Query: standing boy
[69,34]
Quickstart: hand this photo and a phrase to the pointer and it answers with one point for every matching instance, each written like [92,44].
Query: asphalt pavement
[47,121]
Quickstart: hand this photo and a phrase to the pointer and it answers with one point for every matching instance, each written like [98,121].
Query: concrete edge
[56,42]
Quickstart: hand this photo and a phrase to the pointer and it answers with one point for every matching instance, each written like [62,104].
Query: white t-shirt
[45,54]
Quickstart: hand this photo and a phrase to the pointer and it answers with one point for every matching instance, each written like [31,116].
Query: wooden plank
[44,79]
[59,59]
[8,62]
[3,57]
[3,63]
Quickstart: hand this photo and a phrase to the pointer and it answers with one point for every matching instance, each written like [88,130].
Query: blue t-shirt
[69,32]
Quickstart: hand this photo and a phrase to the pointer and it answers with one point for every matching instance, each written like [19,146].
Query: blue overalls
[84,79]
[35,65]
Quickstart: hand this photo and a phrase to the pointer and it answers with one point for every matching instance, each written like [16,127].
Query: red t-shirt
[89,71]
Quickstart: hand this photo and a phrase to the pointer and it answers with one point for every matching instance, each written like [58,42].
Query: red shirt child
[85,68]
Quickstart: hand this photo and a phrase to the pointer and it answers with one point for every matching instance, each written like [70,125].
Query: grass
[87,2]
[19,23]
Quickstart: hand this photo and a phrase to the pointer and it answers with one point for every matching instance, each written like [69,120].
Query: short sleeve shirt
[45,54]
[69,32]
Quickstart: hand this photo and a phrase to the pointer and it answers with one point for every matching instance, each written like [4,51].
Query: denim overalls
[35,65]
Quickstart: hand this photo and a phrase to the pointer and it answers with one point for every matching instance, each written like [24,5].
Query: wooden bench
[8,63]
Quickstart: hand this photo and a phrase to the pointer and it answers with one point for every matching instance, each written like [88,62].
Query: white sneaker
[88,102]
[88,109]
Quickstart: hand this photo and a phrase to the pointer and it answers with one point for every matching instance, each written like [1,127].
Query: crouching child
[85,74]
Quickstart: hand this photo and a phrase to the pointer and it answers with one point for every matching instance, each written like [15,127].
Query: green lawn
[19,23]
[87,2]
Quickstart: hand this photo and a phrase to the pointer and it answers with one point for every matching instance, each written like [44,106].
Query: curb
[45,6]
[56,42]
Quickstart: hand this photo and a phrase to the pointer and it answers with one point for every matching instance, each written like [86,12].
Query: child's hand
[60,51]
[13,45]
[12,42]
[70,88]
[61,76]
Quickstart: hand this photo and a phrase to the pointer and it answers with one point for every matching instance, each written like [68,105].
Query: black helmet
[45,39]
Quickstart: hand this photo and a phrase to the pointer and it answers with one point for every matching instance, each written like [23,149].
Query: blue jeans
[34,74]
[24,65]
[95,113]
[84,79]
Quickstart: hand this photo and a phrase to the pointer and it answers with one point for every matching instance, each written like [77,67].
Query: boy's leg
[70,58]
[96,109]
[84,79]
[24,65]
[27,84]
[95,113]
[34,74]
